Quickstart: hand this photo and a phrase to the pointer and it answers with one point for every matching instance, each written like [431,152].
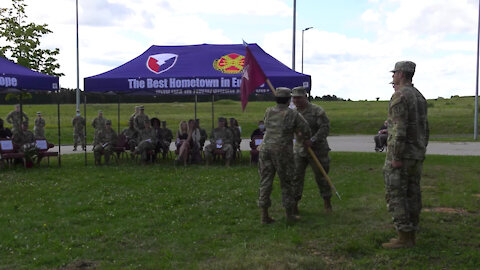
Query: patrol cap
[141,107]
[100,111]
[299,91]
[108,122]
[283,92]
[406,66]
[137,107]
[164,122]
[39,113]
[222,119]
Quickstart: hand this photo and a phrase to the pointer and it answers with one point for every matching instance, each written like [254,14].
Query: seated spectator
[5,133]
[156,125]
[166,139]
[203,133]
[147,140]
[24,140]
[381,138]
[104,142]
[260,131]
[237,134]
[220,138]
[184,141]
[132,135]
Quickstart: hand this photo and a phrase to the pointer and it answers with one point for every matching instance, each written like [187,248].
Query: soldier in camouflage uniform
[220,138]
[137,111]
[320,127]
[25,138]
[132,135]
[166,137]
[98,124]
[15,118]
[140,119]
[276,154]
[408,135]
[147,140]
[78,123]
[104,142]
[39,127]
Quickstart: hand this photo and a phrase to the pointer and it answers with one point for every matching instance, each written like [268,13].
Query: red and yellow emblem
[231,63]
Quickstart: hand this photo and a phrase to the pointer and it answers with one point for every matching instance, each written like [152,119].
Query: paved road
[361,143]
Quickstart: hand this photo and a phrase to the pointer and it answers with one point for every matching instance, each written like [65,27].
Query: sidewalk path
[355,143]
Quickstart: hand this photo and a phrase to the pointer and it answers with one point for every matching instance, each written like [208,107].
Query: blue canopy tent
[205,69]
[18,79]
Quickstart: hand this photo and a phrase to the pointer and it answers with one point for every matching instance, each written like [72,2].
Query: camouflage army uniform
[78,123]
[104,142]
[147,140]
[320,127]
[408,135]
[236,137]
[14,118]
[139,121]
[23,138]
[225,135]
[98,124]
[132,136]
[276,153]
[166,137]
[38,128]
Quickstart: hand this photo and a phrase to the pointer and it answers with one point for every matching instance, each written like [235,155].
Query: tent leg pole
[85,131]
[118,115]
[213,111]
[59,133]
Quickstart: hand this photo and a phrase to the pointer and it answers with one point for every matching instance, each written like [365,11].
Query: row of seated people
[22,146]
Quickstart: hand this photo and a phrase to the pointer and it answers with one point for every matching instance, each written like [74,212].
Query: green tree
[23,40]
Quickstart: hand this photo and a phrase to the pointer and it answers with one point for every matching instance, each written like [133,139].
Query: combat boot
[291,217]
[74,148]
[266,219]
[327,204]
[405,240]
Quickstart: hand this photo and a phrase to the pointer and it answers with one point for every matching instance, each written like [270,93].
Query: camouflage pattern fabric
[23,137]
[132,136]
[276,153]
[320,127]
[224,134]
[139,121]
[78,124]
[39,128]
[104,142]
[408,135]
[147,140]
[98,124]
[16,120]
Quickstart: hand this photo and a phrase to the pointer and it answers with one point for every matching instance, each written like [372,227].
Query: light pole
[78,66]
[303,31]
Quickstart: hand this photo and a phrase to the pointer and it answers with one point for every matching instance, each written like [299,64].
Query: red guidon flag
[252,78]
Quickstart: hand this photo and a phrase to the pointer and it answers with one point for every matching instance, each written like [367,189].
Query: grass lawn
[163,217]
[450,119]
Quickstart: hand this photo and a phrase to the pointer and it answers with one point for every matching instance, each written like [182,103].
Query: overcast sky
[349,51]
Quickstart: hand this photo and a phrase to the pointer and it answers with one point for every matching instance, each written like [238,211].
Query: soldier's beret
[299,91]
[283,92]
[406,66]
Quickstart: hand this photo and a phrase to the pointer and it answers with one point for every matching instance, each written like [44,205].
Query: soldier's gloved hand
[307,143]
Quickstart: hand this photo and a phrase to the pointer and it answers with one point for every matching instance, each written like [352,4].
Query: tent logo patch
[159,63]
[231,63]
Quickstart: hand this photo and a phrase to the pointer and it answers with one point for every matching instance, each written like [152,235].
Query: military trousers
[143,148]
[228,148]
[301,163]
[79,137]
[277,161]
[402,193]
[99,149]
[39,132]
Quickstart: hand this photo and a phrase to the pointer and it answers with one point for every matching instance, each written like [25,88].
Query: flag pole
[271,86]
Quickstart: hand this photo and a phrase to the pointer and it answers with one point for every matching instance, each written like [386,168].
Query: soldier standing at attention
[78,123]
[98,123]
[140,119]
[16,119]
[39,127]
[137,111]
[276,154]
[320,127]
[408,135]
[104,142]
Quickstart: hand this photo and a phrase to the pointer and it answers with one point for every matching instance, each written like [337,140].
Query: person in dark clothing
[5,133]
[381,138]
[259,131]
